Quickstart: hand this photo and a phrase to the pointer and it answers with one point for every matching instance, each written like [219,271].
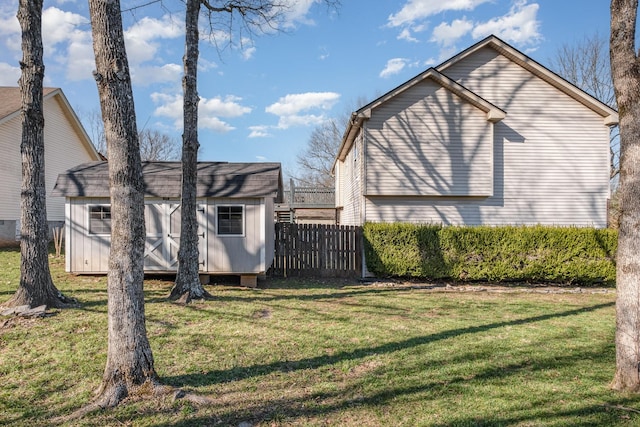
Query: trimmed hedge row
[482,253]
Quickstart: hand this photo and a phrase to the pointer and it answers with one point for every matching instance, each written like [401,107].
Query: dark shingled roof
[163,179]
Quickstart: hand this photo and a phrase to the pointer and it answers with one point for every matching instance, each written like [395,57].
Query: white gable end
[428,141]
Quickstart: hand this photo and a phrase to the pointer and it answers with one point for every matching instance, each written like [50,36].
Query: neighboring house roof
[494,113]
[164,179]
[12,100]
[11,105]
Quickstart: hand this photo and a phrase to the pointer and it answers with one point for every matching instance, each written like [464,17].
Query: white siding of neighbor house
[63,150]
[550,156]
[430,142]
[11,170]
[349,183]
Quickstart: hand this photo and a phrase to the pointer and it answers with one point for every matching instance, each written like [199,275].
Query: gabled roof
[494,114]
[11,104]
[164,179]
[609,115]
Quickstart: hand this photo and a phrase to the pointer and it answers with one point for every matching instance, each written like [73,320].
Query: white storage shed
[235,216]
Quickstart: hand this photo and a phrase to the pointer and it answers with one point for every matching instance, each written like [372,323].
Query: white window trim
[244,220]
[89,206]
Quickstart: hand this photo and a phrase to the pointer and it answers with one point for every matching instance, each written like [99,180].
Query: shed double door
[162,243]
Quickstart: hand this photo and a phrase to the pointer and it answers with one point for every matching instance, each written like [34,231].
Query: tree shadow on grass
[252,295]
[240,373]
[324,404]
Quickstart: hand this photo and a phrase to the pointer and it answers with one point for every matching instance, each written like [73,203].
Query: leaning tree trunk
[188,285]
[129,369]
[36,286]
[625,69]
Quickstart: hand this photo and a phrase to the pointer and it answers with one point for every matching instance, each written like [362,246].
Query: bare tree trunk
[36,286]
[188,286]
[130,368]
[625,70]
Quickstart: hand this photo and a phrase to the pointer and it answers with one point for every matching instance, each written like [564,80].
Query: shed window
[99,219]
[231,220]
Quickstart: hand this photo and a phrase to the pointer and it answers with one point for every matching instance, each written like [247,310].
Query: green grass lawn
[327,353]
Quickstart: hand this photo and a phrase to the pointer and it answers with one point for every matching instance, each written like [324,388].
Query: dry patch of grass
[328,353]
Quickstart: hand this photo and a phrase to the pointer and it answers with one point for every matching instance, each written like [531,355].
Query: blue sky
[262,96]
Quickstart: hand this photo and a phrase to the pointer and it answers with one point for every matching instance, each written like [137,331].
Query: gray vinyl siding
[559,210]
[350,182]
[85,253]
[552,153]
[269,230]
[427,141]
[550,157]
[237,254]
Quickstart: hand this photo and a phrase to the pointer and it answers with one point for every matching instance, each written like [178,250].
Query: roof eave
[355,122]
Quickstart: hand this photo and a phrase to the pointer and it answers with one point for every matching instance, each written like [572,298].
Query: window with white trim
[230,220]
[100,219]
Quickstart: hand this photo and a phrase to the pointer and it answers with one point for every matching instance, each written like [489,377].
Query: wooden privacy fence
[317,250]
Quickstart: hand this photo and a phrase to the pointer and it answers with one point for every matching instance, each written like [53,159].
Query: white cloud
[259,131]
[59,26]
[291,107]
[79,61]
[148,75]
[296,103]
[217,38]
[141,39]
[227,107]
[394,66]
[169,106]
[430,62]
[214,123]
[416,10]
[447,34]
[296,11]
[9,25]
[206,65]
[286,122]
[248,52]
[519,26]
[67,41]
[209,110]
[324,53]
[405,34]
[9,75]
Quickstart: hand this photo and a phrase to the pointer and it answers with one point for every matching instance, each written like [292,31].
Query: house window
[100,219]
[230,220]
